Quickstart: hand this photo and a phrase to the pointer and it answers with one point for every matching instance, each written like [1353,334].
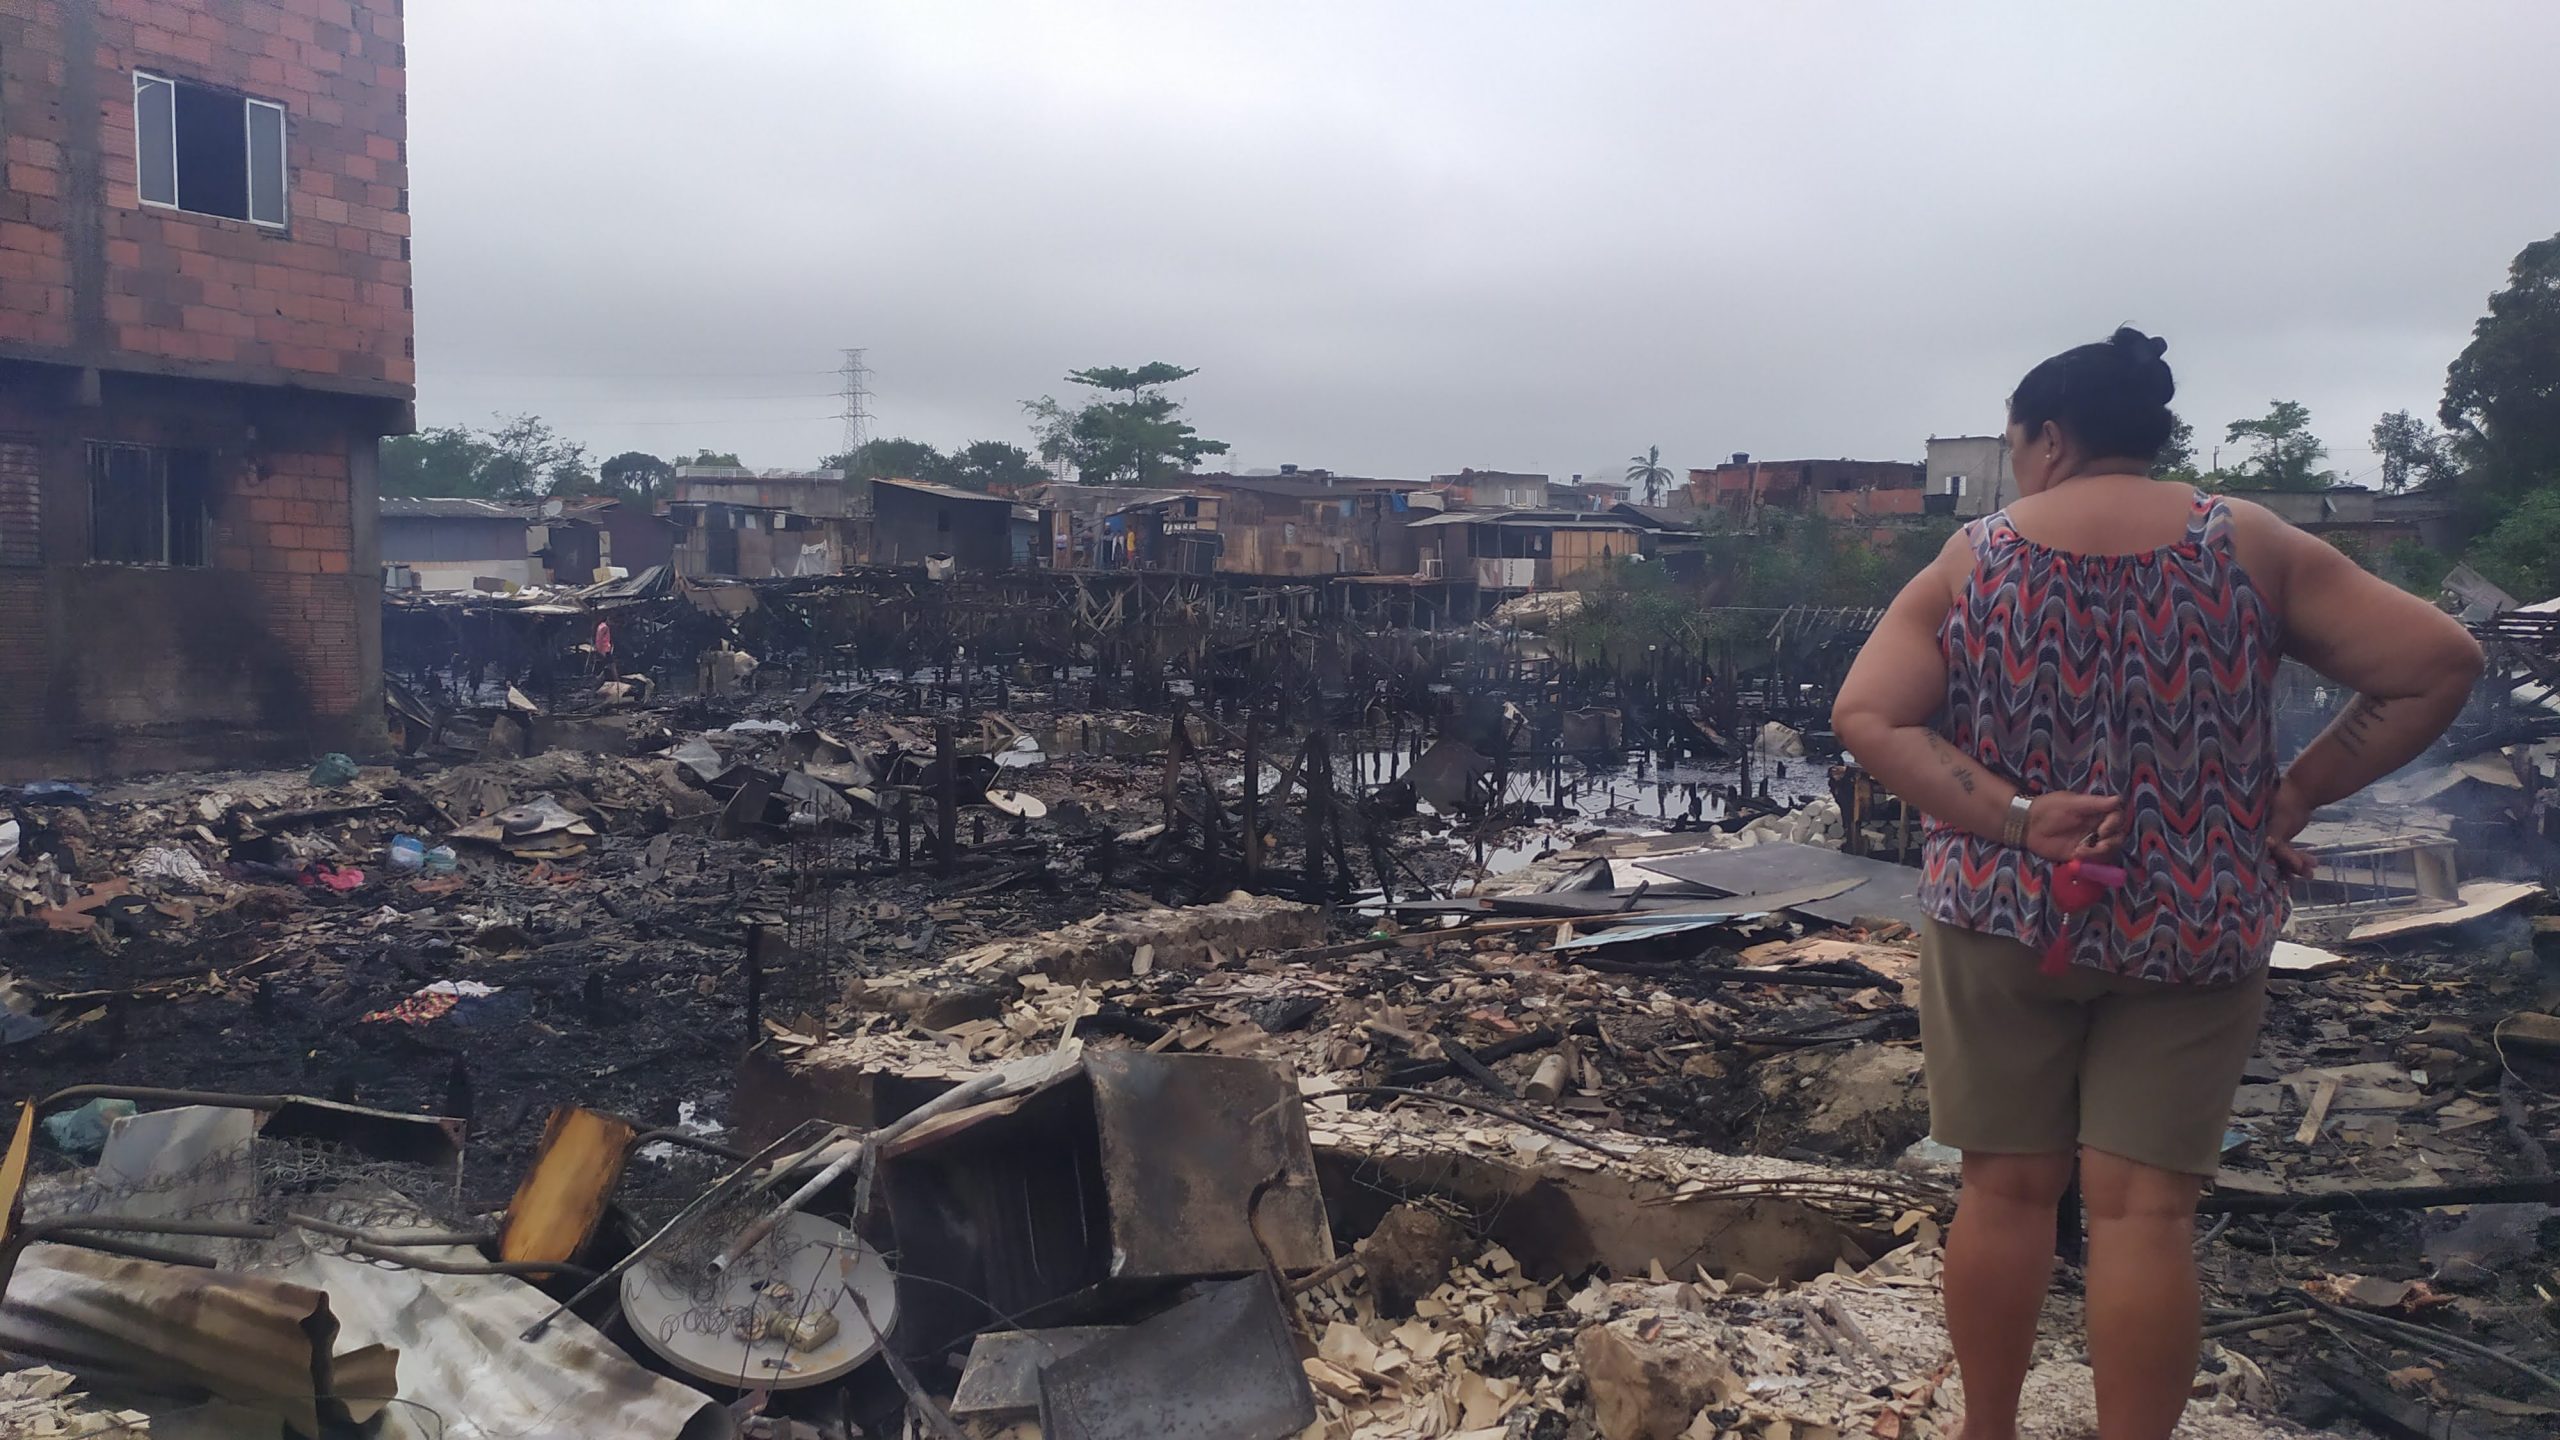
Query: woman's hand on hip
[2066,825]
[2291,811]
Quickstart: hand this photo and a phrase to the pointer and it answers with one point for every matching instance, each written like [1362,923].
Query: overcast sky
[1400,237]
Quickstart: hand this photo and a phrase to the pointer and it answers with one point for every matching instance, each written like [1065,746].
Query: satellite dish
[790,1313]
[1014,802]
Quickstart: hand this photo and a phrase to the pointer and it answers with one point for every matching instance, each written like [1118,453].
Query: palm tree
[1648,471]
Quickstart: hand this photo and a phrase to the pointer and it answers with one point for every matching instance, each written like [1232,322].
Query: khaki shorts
[2020,1063]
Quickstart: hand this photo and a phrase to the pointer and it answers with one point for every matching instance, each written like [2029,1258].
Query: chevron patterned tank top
[2148,676]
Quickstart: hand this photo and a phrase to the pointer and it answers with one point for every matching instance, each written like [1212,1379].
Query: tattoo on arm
[1954,760]
[2356,723]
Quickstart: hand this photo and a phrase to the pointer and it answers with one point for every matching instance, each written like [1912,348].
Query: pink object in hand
[2076,886]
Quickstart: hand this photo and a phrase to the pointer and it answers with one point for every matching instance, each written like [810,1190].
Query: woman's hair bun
[2143,347]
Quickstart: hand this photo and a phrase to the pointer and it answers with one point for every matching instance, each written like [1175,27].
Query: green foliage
[711,457]
[523,458]
[1647,473]
[1631,612]
[2284,454]
[892,459]
[1138,438]
[2412,451]
[987,464]
[2522,551]
[2502,394]
[450,460]
[636,476]
[1808,560]
[2416,567]
[2178,457]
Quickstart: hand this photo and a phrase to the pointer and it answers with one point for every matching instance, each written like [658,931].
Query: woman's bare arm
[2412,668]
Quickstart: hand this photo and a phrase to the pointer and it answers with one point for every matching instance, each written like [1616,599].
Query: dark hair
[2112,397]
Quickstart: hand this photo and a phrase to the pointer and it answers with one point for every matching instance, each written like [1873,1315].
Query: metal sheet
[1631,934]
[1220,1367]
[1185,1138]
[1002,1381]
[1890,892]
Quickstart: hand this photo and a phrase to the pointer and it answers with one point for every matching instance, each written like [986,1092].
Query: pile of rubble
[789,1064]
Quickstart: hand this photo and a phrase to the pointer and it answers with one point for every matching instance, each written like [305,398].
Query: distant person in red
[604,650]
[2090,675]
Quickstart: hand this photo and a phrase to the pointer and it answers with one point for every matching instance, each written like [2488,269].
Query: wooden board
[556,1209]
[2480,897]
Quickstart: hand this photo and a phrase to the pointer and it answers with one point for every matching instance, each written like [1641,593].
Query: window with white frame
[206,150]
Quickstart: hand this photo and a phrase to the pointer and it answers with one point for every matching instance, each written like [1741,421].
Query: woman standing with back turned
[2090,674]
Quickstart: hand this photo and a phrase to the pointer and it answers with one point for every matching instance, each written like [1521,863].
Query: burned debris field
[1536,1040]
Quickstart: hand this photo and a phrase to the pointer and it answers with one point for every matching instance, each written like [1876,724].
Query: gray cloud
[1403,238]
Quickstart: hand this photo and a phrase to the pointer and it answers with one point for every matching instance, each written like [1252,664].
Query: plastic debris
[430,1003]
[84,1131]
[333,770]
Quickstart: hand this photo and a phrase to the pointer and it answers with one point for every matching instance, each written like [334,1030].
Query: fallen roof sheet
[1887,892]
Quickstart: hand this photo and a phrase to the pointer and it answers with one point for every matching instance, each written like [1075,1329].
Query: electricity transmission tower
[856,411]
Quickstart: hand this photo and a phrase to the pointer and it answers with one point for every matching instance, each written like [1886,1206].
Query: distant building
[1973,471]
[1742,488]
[204,331]
[2367,521]
[823,494]
[917,522]
[1082,535]
[1307,523]
[469,544]
[1493,490]
[1527,549]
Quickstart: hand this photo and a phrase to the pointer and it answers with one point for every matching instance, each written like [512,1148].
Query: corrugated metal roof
[947,492]
[415,507]
[1529,520]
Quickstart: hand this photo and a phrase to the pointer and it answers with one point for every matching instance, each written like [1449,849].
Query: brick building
[204,330]
[1838,489]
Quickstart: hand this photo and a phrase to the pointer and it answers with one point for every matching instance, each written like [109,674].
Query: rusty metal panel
[1185,1139]
[1223,1366]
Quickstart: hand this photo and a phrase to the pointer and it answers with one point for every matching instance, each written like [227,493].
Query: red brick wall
[323,301]
[262,654]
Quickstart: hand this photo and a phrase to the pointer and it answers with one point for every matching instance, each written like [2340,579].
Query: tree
[527,457]
[2522,551]
[712,457]
[634,476]
[994,464]
[2177,459]
[450,460]
[2502,394]
[1133,436]
[2412,451]
[898,459]
[2284,454]
[1648,471]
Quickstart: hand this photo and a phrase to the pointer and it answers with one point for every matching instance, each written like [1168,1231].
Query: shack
[715,539]
[917,522]
[1309,523]
[1518,550]
[465,543]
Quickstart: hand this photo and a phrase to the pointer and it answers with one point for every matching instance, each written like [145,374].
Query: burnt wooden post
[764,942]
[1175,739]
[1317,768]
[946,840]
[906,828]
[1252,800]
